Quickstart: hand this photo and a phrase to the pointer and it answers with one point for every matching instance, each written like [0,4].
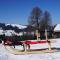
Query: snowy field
[5,55]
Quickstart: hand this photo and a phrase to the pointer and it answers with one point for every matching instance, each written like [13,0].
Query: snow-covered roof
[57,28]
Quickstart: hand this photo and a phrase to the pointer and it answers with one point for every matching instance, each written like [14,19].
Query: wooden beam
[38,35]
[49,43]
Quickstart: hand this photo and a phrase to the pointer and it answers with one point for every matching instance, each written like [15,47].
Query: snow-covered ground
[5,55]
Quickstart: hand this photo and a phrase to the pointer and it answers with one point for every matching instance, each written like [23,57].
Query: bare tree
[46,22]
[35,17]
[40,21]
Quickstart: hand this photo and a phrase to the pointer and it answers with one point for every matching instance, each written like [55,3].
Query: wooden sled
[31,51]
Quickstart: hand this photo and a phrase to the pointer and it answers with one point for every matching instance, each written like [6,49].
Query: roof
[57,28]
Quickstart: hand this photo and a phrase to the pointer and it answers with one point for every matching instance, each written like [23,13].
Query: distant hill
[16,27]
[10,29]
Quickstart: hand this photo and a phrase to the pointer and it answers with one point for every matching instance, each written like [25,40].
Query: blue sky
[17,11]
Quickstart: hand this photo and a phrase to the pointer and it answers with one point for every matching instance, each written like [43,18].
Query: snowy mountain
[9,29]
[15,29]
[6,26]
[17,25]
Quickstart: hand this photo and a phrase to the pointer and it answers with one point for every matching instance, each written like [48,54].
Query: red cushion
[35,42]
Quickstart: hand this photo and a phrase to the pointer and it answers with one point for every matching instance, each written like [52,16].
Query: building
[57,30]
